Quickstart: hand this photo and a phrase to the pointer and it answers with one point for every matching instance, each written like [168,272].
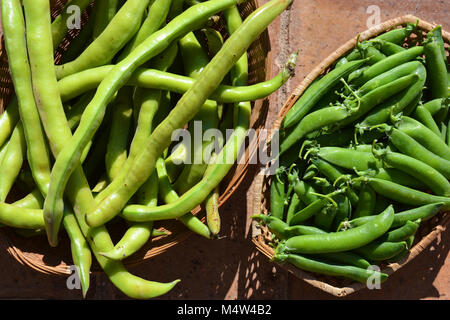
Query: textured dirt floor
[231,268]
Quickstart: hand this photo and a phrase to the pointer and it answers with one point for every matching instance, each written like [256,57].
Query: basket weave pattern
[261,236]
[37,254]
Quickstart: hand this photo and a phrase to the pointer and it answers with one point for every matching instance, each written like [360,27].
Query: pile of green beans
[364,158]
[90,138]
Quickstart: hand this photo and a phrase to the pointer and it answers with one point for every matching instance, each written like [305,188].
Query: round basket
[261,236]
[38,255]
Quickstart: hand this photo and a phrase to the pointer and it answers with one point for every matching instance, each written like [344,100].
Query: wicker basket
[37,254]
[261,236]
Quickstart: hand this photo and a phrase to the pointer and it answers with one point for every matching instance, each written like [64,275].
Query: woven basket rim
[238,171]
[258,195]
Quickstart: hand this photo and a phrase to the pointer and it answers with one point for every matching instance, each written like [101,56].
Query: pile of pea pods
[88,141]
[364,158]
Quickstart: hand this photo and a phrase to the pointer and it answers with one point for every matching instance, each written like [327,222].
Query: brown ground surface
[231,268]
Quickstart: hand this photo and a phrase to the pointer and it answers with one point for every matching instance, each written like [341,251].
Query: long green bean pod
[186,107]
[69,157]
[79,193]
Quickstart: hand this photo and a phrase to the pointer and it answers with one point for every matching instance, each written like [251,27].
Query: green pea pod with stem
[398,35]
[389,63]
[323,267]
[314,121]
[314,207]
[342,241]
[423,135]
[424,212]
[186,107]
[435,60]
[94,113]
[403,194]
[333,173]
[397,103]
[434,180]
[407,145]
[113,38]
[424,116]
[295,205]
[363,49]
[389,48]
[283,231]
[343,210]
[365,104]
[316,91]
[44,82]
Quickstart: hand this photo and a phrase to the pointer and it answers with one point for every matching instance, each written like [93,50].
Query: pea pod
[420,170]
[314,265]
[423,213]
[435,60]
[389,63]
[367,200]
[405,195]
[425,136]
[436,105]
[316,91]
[424,116]
[380,251]
[342,241]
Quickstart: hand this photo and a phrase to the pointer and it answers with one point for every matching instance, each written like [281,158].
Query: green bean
[313,265]
[316,91]
[60,23]
[74,112]
[37,150]
[33,200]
[79,43]
[116,151]
[65,163]
[342,241]
[79,83]
[214,39]
[190,102]
[116,34]
[212,212]
[12,161]
[156,16]
[103,13]
[23,218]
[8,120]
[40,52]
[81,253]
